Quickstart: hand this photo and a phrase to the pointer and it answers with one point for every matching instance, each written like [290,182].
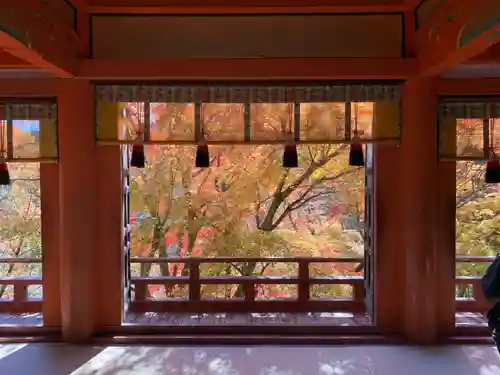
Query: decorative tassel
[4,172]
[4,169]
[202,154]
[138,159]
[356,157]
[290,155]
[492,175]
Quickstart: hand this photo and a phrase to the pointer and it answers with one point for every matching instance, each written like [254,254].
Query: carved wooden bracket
[33,31]
[458,31]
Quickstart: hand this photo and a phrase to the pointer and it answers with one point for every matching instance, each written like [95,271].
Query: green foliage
[477,221]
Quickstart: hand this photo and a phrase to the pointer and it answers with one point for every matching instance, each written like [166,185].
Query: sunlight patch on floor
[308,360]
[7,349]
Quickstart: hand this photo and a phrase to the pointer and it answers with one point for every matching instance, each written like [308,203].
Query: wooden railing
[303,280]
[20,302]
[248,302]
[476,302]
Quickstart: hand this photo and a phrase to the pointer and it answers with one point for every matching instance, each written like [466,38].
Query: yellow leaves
[194,200]
[318,173]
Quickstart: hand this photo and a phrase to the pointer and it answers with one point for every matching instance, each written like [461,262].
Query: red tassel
[492,175]
[138,148]
[4,174]
[356,157]
[202,156]
[290,156]
[138,159]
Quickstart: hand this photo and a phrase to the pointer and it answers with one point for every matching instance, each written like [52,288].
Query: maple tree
[245,204]
[20,212]
[477,203]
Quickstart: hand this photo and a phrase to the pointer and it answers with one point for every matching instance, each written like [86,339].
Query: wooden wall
[246,36]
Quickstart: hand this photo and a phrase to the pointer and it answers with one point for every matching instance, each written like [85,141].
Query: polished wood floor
[168,319]
[59,359]
[235,319]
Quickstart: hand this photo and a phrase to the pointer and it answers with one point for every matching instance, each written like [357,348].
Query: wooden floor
[167,319]
[470,320]
[235,319]
[23,320]
[59,359]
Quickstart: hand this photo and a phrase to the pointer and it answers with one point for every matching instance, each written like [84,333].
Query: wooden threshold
[241,330]
[28,331]
[469,340]
[254,339]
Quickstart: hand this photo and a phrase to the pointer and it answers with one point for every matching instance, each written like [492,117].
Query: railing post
[194,280]
[479,296]
[303,283]
[19,291]
[249,288]
[140,289]
[358,293]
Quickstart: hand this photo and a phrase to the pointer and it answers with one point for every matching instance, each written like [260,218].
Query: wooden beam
[412,4]
[31,31]
[7,61]
[195,10]
[248,69]
[469,86]
[28,88]
[457,32]
[243,6]
[491,55]
[79,4]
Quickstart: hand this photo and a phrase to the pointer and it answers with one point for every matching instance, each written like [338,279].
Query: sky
[27,125]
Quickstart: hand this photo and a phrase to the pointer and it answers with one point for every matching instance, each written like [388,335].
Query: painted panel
[236,114]
[255,36]
[486,21]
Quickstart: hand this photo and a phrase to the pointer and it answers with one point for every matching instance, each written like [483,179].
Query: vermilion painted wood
[439,40]
[249,69]
[31,31]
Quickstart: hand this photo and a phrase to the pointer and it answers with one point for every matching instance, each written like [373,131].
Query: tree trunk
[156,242]
[192,233]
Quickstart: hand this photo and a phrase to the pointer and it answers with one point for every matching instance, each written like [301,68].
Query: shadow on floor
[44,359]
[39,359]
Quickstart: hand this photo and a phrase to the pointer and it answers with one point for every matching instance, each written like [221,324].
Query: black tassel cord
[138,158]
[4,169]
[290,154]
[492,173]
[356,156]
[202,159]
[202,156]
